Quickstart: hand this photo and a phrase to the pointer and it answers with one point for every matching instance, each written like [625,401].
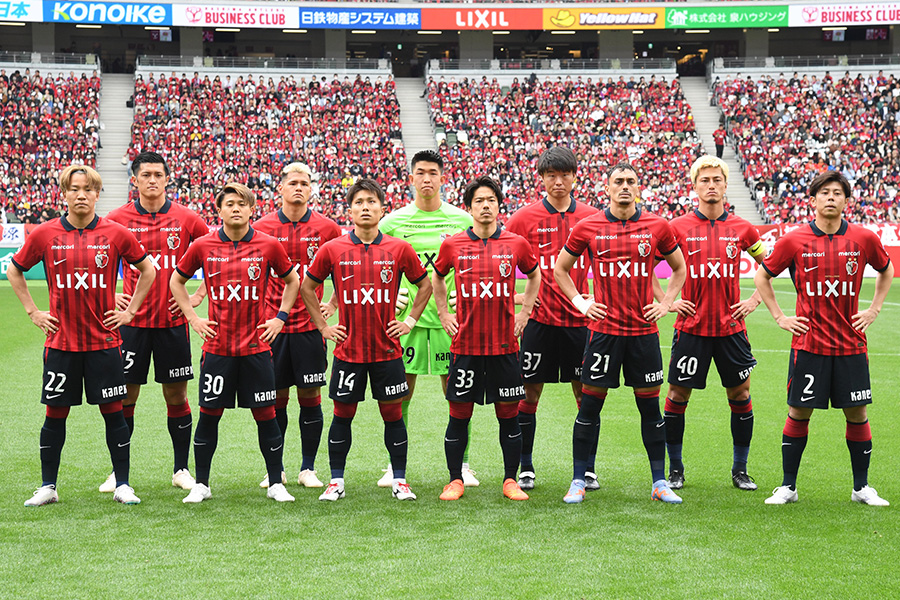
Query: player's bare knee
[679,394]
[856,414]
[174,394]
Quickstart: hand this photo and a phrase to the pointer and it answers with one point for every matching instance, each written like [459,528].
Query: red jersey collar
[552,210]
[225,238]
[143,211]
[355,238]
[69,227]
[494,236]
[841,230]
[284,220]
[703,217]
[612,219]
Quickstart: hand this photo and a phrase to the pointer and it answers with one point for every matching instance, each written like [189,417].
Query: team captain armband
[757,249]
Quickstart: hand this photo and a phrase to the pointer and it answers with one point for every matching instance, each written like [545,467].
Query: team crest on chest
[505,268]
[644,249]
[731,250]
[101,259]
[852,266]
[311,250]
[174,241]
[387,274]
[254,271]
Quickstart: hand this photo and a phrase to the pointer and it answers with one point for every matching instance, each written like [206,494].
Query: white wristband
[410,321]
[582,304]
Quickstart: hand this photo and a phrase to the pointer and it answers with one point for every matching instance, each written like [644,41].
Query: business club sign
[265,15]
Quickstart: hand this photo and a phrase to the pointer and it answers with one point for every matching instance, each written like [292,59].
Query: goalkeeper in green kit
[425,224]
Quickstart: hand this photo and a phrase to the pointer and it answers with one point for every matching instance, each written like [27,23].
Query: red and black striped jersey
[301,241]
[547,230]
[237,275]
[485,275]
[366,279]
[827,270]
[81,267]
[165,236]
[622,256]
[712,253]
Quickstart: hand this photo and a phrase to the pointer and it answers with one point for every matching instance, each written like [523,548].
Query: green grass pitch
[721,543]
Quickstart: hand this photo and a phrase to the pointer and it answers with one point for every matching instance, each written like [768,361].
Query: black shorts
[97,373]
[251,378]
[551,354]
[692,354]
[348,380]
[300,360]
[638,357]
[814,378]
[485,379]
[171,350]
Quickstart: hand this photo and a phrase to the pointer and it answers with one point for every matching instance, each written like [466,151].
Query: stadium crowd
[788,130]
[502,132]
[246,129]
[46,123]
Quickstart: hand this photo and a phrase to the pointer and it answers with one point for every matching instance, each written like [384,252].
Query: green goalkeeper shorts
[426,351]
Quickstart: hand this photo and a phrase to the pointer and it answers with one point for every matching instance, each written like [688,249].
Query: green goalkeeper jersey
[425,231]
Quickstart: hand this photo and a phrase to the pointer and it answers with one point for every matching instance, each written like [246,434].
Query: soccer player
[81,252]
[484,361]
[424,224]
[710,322]
[553,341]
[159,329]
[622,242]
[365,266]
[299,350]
[236,261]
[829,360]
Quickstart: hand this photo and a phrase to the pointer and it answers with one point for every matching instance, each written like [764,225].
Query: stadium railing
[772,65]
[50,62]
[332,65]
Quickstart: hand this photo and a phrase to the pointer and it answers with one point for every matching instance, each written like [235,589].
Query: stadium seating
[788,130]
[46,123]
[485,128]
[247,129]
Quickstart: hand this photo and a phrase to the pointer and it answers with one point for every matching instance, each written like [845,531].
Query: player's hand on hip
[863,319]
[45,322]
[449,323]
[683,307]
[116,318]
[796,325]
[655,311]
[596,312]
[122,301]
[204,328]
[743,308]
[519,300]
[397,328]
[335,333]
[327,310]
[271,329]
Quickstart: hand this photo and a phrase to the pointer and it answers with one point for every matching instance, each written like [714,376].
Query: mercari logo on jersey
[116,13]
